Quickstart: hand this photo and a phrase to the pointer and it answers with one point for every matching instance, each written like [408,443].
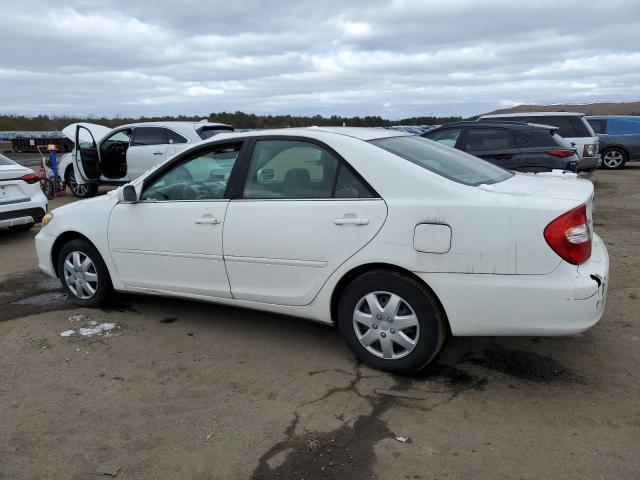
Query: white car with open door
[105,156]
[397,239]
[22,203]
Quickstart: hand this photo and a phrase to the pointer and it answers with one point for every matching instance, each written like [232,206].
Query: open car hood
[98,131]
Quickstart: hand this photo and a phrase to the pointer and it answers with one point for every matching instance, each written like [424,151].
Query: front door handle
[503,157]
[157,153]
[207,221]
[351,221]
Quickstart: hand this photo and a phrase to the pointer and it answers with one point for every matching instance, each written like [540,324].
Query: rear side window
[149,136]
[489,139]
[6,161]
[208,132]
[565,126]
[598,125]
[173,137]
[446,162]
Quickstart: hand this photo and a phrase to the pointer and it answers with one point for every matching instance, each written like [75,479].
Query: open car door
[86,153]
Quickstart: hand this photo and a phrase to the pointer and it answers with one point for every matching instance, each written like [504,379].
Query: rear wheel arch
[624,150]
[360,270]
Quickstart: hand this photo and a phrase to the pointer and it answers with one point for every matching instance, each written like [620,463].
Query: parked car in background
[116,156]
[572,126]
[309,222]
[515,146]
[619,138]
[22,203]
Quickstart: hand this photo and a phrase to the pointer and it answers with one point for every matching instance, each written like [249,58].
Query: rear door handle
[157,153]
[207,221]
[351,221]
[503,157]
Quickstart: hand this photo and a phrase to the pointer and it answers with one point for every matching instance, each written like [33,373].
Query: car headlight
[47,219]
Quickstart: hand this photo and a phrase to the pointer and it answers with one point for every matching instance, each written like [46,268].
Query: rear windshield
[6,161]
[208,132]
[445,161]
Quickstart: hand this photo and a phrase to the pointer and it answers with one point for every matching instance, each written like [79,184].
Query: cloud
[396,58]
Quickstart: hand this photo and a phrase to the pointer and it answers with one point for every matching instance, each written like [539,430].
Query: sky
[391,58]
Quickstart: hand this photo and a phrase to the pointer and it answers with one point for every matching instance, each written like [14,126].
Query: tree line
[236,119]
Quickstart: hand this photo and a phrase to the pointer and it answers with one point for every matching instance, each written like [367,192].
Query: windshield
[6,161]
[445,161]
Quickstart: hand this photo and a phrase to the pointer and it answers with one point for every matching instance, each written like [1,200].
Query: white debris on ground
[90,329]
[402,439]
[97,330]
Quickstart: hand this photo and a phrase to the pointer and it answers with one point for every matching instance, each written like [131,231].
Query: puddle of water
[524,365]
[46,299]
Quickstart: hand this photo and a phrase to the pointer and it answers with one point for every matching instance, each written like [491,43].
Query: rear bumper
[567,301]
[22,213]
[589,163]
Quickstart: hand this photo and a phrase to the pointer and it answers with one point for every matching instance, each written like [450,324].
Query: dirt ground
[187,390]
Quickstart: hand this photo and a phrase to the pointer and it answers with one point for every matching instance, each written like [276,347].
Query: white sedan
[396,239]
[117,156]
[22,203]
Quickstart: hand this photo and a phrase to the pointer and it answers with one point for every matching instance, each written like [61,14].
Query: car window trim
[185,156]
[238,188]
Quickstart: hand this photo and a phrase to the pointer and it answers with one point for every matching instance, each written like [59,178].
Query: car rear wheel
[613,158]
[391,321]
[80,190]
[83,274]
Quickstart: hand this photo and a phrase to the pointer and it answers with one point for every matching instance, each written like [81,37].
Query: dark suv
[619,138]
[523,147]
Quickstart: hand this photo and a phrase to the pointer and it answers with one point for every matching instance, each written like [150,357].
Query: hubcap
[80,275]
[386,325]
[612,158]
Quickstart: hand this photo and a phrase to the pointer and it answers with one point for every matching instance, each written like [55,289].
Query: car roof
[176,124]
[360,133]
[604,117]
[533,114]
[524,126]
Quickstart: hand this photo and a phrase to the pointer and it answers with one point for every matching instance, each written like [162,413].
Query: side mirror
[127,194]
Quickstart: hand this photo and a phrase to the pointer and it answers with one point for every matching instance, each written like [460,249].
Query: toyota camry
[397,240]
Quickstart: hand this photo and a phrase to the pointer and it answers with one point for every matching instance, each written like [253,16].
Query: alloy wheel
[80,275]
[386,325]
[613,159]
[78,189]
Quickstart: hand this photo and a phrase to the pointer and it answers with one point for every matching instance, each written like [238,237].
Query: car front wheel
[613,158]
[83,274]
[80,190]
[391,321]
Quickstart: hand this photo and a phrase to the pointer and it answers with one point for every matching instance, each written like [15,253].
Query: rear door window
[149,136]
[173,137]
[489,139]
[624,126]
[598,125]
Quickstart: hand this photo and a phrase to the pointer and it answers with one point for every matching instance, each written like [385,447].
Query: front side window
[444,161]
[290,169]
[149,136]
[448,137]
[489,139]
[201,177]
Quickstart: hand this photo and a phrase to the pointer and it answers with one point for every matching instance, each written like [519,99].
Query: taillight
[569,236]
[30,178]
[560,152]
[589,151]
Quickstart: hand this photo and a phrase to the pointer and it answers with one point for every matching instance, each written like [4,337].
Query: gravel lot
[186,390]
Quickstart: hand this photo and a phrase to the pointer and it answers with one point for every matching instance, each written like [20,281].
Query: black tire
[21,228]
[104,288]
[46,186]
[416,296]
[618,158]
[85,190]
